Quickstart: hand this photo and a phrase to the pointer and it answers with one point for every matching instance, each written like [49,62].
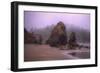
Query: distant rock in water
[58,35]
[32,38]
[72,42]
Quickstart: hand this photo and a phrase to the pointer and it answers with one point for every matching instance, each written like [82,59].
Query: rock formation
[72,43]
[58,35]
[32,38]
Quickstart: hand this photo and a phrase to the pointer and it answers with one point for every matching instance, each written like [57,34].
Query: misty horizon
[41,20]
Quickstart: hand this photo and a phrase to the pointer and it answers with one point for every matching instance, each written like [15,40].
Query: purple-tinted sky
[37,20]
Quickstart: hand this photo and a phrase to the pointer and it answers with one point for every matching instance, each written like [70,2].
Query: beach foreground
[36,52]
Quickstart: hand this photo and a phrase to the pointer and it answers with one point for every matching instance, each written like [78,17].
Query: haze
[38,20]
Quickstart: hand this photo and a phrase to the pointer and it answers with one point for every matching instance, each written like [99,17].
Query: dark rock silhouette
[32,38]
[58,35]
[72,43]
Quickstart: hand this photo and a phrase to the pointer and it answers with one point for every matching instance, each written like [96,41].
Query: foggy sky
[37,20]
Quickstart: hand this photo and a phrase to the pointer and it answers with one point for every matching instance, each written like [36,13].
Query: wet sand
[34,52]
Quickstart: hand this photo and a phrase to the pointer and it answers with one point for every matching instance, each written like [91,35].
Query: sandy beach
[34,52]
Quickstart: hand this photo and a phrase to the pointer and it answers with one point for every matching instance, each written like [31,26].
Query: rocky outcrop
[72,43]
[32,38]
[58,35]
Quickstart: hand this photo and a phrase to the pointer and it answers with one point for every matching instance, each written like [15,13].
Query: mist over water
[43,22]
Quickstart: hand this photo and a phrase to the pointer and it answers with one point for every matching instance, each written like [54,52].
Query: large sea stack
[58,35]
